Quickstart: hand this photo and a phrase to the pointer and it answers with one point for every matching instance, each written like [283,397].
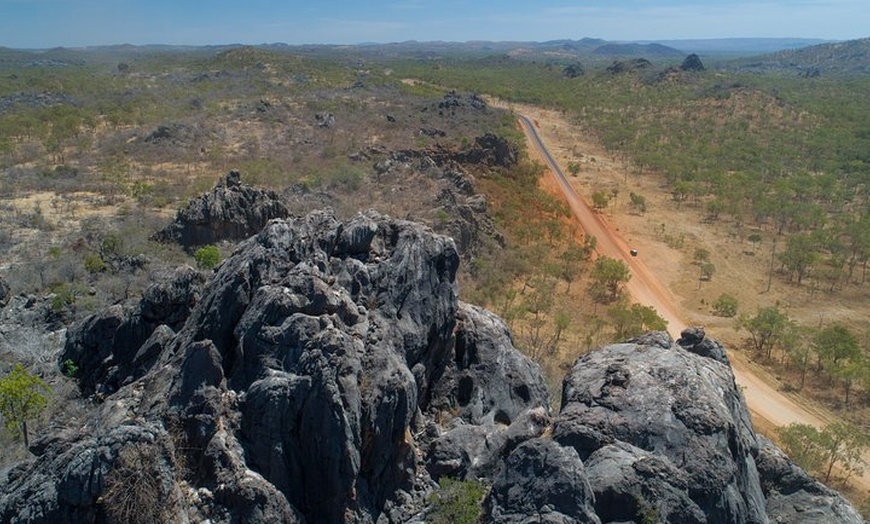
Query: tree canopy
[23,397]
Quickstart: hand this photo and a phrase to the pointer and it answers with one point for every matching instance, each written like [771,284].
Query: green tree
[766,328]
[23,397]
[574,168]
[801,443]
[844,444]
[706,271]
[834,344]
[609,275]
[725,306]
[631,321]
[637,203]
[799,349]
[839,352]
[820,450]
[574,259]
[207,257]
[799,255]
[600,199]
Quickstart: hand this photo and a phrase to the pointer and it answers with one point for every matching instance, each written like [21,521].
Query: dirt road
[763,400]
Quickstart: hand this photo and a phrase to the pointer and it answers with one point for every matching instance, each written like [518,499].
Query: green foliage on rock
[207,257]
[631,321]
[457,502]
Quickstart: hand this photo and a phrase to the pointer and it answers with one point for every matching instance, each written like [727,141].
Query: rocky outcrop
[120,344]
[542,482]
[232,211]
[304,382]
[692,63]
[795,497]
[683,408]
[626,66]
[573,71]
[660,433]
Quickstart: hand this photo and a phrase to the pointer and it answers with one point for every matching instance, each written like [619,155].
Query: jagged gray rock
[327,372]
[541,482]
[232,211]
[296,385]
[682,408]
[795,497]
[120,344]
[5,293]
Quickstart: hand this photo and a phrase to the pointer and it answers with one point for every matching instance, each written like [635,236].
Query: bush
[207,257]
[725,306]
[457,502]
[69,368]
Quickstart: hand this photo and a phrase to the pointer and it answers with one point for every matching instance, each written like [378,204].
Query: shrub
[94,264]
[69,368]
[457,502]
[725,306]
[207,257]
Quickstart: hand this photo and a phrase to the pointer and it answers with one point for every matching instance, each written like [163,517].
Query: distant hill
[734,47]
[850,57]
[638,50]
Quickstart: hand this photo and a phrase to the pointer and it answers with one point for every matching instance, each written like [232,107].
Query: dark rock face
[327,372]
[118,345]
[233,211]
[795,497]
[542,482]
[692,63]
[5,293]
[304,382]
[625,66]
[573,71]
[63,484]
[682,408]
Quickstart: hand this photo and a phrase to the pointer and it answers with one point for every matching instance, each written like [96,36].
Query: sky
[77,23]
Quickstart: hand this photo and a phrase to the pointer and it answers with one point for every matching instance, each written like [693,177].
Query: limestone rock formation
[303,382]
[662,434]
[692,63]
[232,211]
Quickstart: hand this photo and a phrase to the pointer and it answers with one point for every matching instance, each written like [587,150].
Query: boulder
[541,482]
[232,211]
[795,497]
[692,63]
[682,409]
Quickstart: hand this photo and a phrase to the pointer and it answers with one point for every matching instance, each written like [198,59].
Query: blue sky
[50,23]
